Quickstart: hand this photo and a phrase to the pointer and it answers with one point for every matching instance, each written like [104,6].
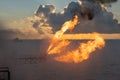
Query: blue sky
[17,9]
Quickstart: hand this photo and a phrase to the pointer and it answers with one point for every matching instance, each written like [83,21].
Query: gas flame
[57,41]
[58,45]
[69,25]
[83,51]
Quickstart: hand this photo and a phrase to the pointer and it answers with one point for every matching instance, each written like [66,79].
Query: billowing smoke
[92,17]
[102,1]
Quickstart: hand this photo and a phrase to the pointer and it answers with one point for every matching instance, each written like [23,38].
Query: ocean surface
[28,60]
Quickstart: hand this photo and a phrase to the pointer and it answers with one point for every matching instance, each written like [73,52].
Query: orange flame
[69,25]
[59,45]
[84,50]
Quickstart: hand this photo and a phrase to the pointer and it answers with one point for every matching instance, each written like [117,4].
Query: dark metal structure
[4,73]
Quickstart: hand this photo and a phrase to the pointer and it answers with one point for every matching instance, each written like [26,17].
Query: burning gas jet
[58,46]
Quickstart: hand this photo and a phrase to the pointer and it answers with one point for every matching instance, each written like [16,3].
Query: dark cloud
[45,9]
[101,1]
[92,16]
[105,1]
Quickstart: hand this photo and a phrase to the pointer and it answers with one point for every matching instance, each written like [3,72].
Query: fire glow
[58,45]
